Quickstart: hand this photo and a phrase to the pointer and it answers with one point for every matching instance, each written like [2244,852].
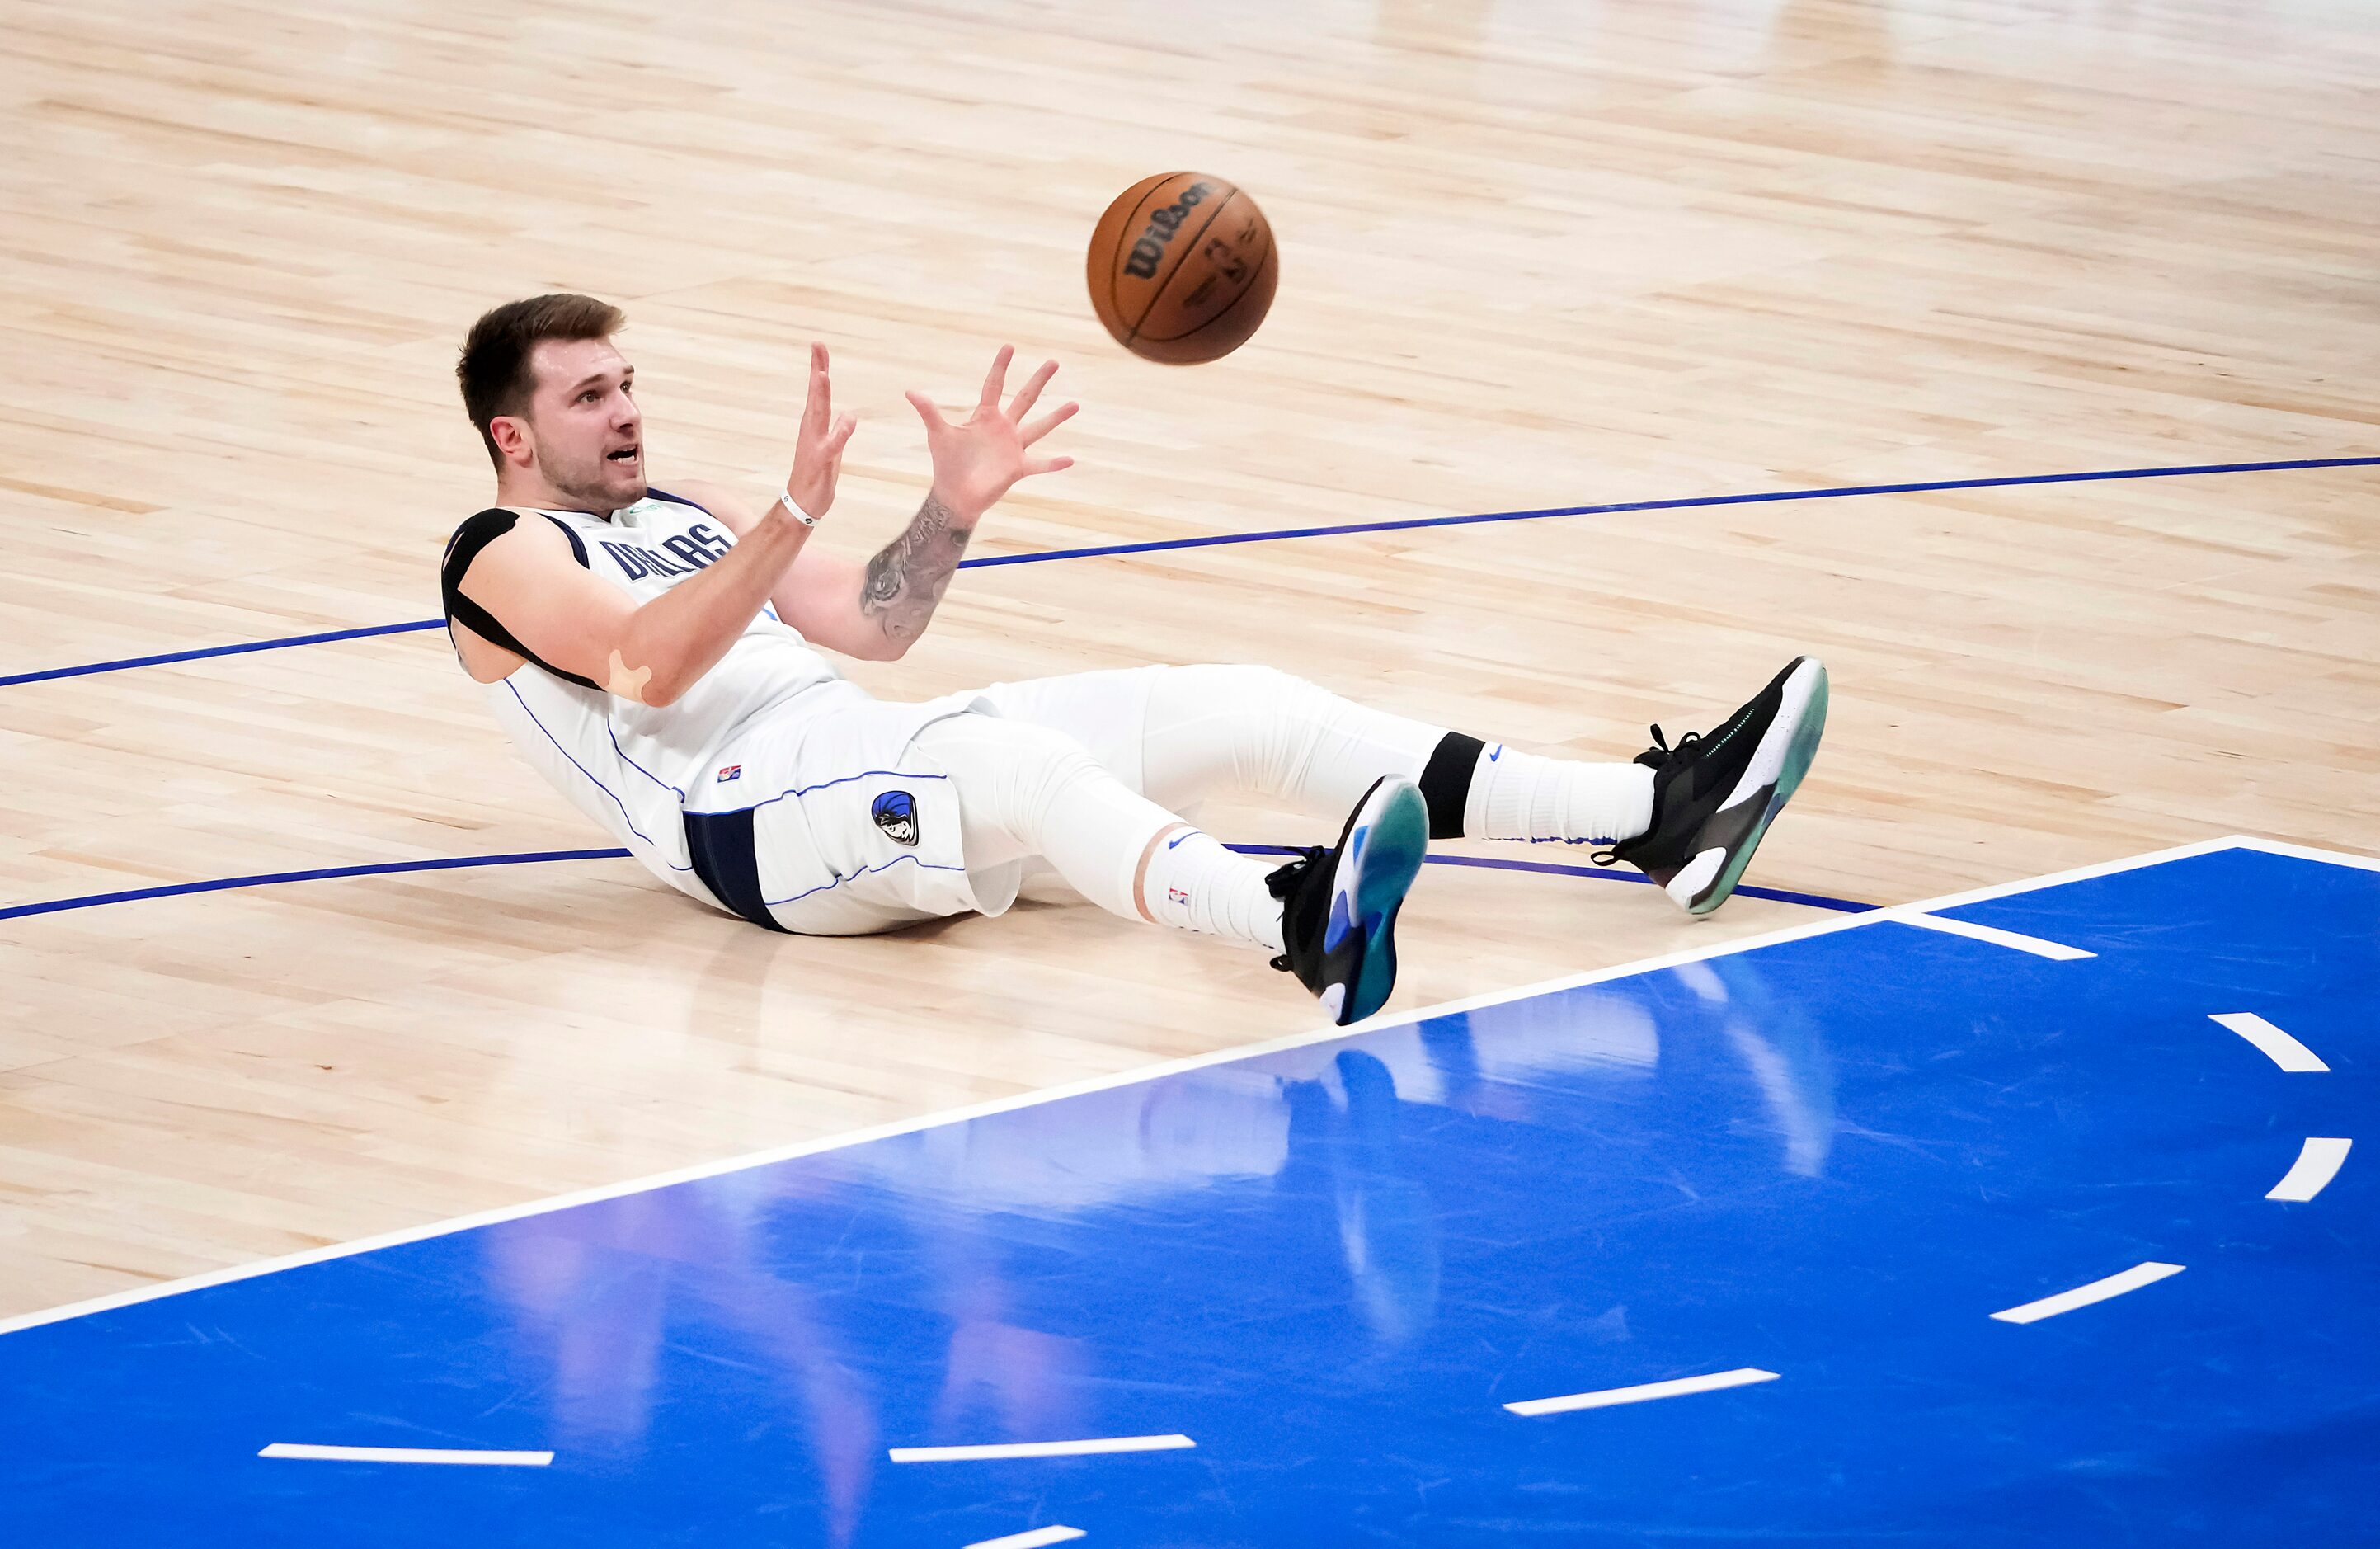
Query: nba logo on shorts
[733,772]
[896,812]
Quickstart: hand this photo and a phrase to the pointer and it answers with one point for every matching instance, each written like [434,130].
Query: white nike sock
[1192,883]
[1522,796]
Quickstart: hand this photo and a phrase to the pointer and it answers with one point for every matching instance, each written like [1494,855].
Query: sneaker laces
[1660,755]
[1662,752]
[1282,881]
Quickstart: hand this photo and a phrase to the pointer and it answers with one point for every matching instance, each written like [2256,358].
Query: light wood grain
[1534,254]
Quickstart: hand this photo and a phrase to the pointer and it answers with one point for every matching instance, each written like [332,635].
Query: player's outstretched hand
[818,449]
[979,458]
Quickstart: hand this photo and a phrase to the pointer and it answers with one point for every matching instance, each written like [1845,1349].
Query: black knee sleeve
[1446,782]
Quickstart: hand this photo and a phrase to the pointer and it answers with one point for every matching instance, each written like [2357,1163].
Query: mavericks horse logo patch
[896,812]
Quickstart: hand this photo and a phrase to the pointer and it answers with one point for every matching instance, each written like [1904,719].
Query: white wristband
[786,500]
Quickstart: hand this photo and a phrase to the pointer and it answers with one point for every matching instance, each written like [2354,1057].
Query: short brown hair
[494,370]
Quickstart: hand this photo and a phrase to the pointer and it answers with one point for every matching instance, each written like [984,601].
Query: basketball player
[657,657]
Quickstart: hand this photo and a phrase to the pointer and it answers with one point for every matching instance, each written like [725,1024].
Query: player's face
[584,425]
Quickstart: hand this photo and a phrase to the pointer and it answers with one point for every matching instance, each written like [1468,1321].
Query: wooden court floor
[1535,254]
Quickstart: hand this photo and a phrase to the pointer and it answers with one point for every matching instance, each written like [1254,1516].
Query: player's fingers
[1047,423]
[926,410]
[841,436]
[813,418]
[1046,465]
[997,377]
[1030,394]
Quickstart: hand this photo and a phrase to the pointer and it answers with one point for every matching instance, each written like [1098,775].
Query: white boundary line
[2015,940]
[993,1451]
[2318,1162]
[2145,1273]
[311,1453]
[1032,1538]
[2305,853]
[1146,1073]
[2277,1046]
[1676,1387]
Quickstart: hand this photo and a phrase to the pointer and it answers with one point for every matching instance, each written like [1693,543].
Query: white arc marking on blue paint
[2318,1163]
[1677,1388]
[1034,1538]
[2133,1279]
[2283,1051]
[1039,1450]
[311,1453]
[1995,935]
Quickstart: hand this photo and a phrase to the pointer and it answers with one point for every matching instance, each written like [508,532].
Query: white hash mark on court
[2133,1279]
[1035,1539]
[2318,1162]
[1676,1387]
[1039,1450]
[2283,1050]
[1993,934]
[311,1453]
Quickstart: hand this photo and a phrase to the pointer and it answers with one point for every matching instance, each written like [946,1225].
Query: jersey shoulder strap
[677,500]
[475,534]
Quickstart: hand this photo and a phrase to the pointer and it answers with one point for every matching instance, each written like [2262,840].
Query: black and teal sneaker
[1714,796]
[1339,905]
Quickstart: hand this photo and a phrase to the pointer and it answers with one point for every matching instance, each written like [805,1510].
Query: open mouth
[625,455]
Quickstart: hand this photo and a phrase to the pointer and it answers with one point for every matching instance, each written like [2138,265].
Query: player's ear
[513,443]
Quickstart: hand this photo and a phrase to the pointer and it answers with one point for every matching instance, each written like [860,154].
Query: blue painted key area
[1830,1158]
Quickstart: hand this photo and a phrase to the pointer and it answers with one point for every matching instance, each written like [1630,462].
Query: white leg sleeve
[1028,790]
[1252,728]
[1215,728]
[1103,710]
[1179,735]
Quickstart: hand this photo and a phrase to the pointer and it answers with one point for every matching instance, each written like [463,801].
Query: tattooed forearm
[907,577]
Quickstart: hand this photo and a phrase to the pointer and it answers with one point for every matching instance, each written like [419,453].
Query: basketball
[1181,268]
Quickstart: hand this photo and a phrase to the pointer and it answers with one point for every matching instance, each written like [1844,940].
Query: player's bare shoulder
[516,588]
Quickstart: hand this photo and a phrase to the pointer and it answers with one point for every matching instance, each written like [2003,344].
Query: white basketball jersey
[629,766]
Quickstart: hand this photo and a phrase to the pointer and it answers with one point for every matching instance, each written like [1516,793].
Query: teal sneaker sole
[1383,855]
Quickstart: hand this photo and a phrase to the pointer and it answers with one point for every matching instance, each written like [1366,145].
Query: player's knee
[1042,764]
[1011,777]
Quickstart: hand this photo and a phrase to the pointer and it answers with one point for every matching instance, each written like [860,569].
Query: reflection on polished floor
[1535,254]
[1297,1290]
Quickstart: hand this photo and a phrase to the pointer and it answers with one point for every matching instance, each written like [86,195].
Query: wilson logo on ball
[1162,224]
[1181,267]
